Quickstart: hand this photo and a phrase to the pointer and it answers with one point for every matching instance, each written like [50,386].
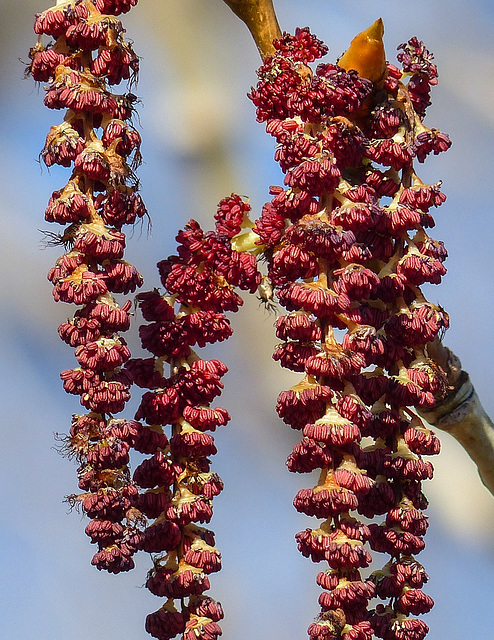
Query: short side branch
[261,20]
[461,414]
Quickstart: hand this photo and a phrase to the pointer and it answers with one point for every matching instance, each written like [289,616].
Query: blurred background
[200,143]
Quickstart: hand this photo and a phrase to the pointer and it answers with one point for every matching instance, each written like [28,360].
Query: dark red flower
[160,407]
[340,551]
[430,141]
[56,21]
[308,455]
[165,623]
[393,541]
[303,404]
[159,470]
[206,607]
[176,583]
[303,46]
[205,418]
[114,559]
[161,536]
[324,502]
[201,628]
[294,355]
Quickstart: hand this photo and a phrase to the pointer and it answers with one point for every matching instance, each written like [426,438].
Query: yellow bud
[366,54]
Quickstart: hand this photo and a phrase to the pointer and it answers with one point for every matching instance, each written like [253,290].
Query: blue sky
[201,142]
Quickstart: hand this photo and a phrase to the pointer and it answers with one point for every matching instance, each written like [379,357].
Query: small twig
[261,20]
[461,414]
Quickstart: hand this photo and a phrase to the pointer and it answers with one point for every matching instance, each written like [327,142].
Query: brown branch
[261,20]
[461,414]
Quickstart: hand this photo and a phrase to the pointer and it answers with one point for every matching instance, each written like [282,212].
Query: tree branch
[461,414]
[261,20]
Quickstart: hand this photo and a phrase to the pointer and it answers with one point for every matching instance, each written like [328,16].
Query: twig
[461,414]
[261,20]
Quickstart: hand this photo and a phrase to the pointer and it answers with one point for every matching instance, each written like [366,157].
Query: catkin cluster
[85,58]
[347,249]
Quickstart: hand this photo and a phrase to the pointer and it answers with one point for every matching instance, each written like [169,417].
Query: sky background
[200,143]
